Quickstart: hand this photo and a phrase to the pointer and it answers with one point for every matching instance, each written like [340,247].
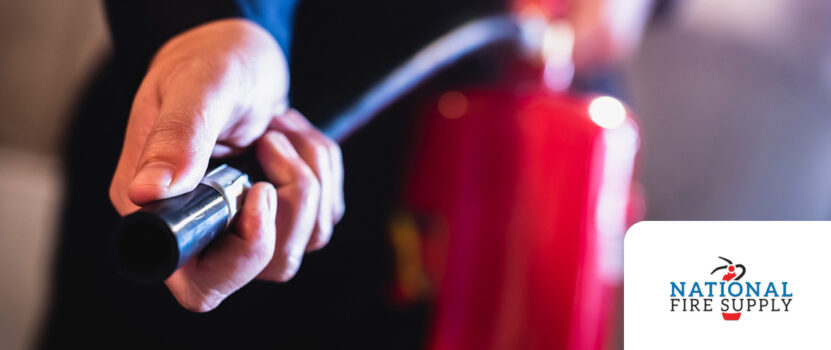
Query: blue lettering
[696,289]
[730,289]
[710,285]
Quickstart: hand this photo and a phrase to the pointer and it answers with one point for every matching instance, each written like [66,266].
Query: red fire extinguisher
[521,194]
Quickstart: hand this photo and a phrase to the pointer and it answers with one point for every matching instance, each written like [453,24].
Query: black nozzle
[158,239]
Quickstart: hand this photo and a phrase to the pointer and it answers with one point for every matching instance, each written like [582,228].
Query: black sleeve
[139,27]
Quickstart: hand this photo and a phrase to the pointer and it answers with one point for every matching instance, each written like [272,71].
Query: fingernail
[154,174]
[271,198]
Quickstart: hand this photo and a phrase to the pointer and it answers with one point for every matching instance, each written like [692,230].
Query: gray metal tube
[153,242]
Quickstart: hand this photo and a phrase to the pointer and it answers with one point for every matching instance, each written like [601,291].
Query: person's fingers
[235,259]
[324,158]
[314,152]
[298,195]
[335,160]
[178,147]
[211,89]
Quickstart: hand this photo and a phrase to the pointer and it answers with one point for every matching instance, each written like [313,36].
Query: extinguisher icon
[730,276]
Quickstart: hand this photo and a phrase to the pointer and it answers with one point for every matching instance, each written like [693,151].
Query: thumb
[178,147]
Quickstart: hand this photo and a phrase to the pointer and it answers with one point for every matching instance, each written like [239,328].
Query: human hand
[213,91]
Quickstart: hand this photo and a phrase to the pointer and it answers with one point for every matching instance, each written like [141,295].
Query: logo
[730,276]
[732,295]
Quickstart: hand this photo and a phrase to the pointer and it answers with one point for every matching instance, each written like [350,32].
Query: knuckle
[340,210]
[307,182]
[278,137]
[282,268]
[197,299]
[175,123]
[319,241]
[175,131]
[200,306]
[262,252]
[252,221]
[284,276]
[309,186]
[333,152]
[321,149]
[332,147]
[292,265]
[203,67]
[314,148]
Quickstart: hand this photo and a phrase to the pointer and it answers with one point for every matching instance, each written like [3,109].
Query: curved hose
[442,52]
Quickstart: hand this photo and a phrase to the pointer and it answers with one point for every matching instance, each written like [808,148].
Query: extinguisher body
[528,194]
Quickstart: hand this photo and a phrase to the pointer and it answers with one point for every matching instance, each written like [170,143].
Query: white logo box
[657,253]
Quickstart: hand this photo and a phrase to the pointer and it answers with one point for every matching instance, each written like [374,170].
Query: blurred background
[732,99]
[47,50]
